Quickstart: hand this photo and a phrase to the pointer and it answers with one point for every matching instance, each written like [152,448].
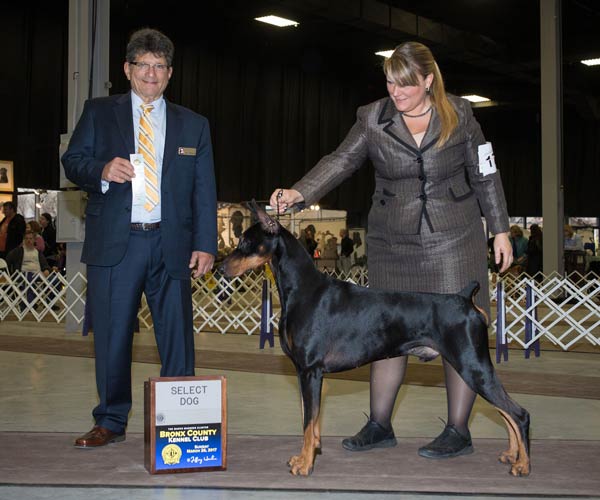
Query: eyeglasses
[143,67]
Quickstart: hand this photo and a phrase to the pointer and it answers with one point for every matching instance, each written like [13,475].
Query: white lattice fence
[562,310]
[23,294]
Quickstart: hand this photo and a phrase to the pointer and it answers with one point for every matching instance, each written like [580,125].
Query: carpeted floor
[545,384]
[559,467]
[566,467]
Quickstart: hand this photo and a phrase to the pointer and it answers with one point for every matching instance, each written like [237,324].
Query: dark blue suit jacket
[188,194]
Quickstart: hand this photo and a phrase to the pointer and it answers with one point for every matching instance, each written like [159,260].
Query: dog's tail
[469,292]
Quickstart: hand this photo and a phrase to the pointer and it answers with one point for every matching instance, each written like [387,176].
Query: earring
[427,89]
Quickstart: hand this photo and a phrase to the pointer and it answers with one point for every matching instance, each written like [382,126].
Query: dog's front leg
[310,390]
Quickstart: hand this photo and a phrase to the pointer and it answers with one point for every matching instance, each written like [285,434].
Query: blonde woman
[433,172]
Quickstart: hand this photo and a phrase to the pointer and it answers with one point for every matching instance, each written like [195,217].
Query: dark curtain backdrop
[582,164]
[274,109]
[33,89]
[515,137]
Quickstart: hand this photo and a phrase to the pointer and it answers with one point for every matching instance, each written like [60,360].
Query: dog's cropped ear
[268,224]
[253,207]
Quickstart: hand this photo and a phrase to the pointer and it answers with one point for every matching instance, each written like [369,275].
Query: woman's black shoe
[448,444]
[372,435]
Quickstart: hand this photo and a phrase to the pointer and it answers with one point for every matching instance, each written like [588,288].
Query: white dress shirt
[158,117]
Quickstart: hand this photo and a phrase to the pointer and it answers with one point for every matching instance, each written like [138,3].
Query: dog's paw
[299,466]
[506,457]
[520,469]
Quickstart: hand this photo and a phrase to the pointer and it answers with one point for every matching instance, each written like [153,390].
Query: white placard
[487,162]
[184,402]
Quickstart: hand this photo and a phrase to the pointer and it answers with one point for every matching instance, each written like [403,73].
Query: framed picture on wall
[7,180]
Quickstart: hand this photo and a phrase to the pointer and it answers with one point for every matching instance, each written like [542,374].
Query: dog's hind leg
[488,386]
[310,389]
[518,453]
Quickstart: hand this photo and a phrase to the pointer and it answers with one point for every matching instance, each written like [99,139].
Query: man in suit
[12,229]
[151,218]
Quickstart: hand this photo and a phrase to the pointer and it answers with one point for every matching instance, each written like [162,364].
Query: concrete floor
[56,394]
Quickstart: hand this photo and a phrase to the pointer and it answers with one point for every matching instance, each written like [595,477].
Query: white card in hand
[138,183]
[487,163]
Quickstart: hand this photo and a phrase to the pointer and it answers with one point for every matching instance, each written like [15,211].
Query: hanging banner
[185,424]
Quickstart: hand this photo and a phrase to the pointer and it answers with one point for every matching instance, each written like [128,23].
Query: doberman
[328,325]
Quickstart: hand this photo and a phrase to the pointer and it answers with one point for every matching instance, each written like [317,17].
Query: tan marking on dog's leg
[302,465]
[520,463]
[294,458]
[509,456]
[317,432]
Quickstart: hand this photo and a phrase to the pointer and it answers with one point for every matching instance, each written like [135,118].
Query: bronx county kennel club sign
[185,424]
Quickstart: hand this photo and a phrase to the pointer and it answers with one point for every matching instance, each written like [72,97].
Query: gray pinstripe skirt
[439,262]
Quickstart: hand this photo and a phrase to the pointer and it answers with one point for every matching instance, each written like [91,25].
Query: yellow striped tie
[146,149]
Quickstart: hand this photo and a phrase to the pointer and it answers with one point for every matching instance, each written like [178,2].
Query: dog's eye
[262,249]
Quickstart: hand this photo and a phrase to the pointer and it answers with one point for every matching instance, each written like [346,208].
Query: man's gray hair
[150,40]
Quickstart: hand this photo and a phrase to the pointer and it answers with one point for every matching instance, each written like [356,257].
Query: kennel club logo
[171,454]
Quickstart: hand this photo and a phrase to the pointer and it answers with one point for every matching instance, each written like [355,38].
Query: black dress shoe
[450,443]
[98,436]
[372,435]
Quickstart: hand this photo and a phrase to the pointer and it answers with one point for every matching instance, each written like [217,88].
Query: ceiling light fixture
[475,98]
[281,22]
[591,62]
[384,53]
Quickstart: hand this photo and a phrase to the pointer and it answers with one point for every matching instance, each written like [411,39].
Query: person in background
[519,248]
[27,258]
[346,251]
[424,228]
[572,240]
[36,229]
[12,229]
[147,228]
[307,239]
[535,252]
[590,246]
[61,258]
[48,232]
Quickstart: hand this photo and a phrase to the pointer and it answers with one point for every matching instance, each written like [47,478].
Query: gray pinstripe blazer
[441,186]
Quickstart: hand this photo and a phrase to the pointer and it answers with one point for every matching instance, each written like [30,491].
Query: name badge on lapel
[186,151]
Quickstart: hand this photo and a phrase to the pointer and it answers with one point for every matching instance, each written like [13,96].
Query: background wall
[275,107]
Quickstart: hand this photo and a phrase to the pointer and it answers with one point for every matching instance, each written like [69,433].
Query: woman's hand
[503,251]
[282,199]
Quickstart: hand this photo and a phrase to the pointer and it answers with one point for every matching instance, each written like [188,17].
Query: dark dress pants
[114,294]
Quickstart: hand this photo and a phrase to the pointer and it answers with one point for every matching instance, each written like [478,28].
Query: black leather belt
[144,226]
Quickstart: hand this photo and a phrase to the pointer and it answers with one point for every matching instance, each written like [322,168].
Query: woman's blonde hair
[407,62]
